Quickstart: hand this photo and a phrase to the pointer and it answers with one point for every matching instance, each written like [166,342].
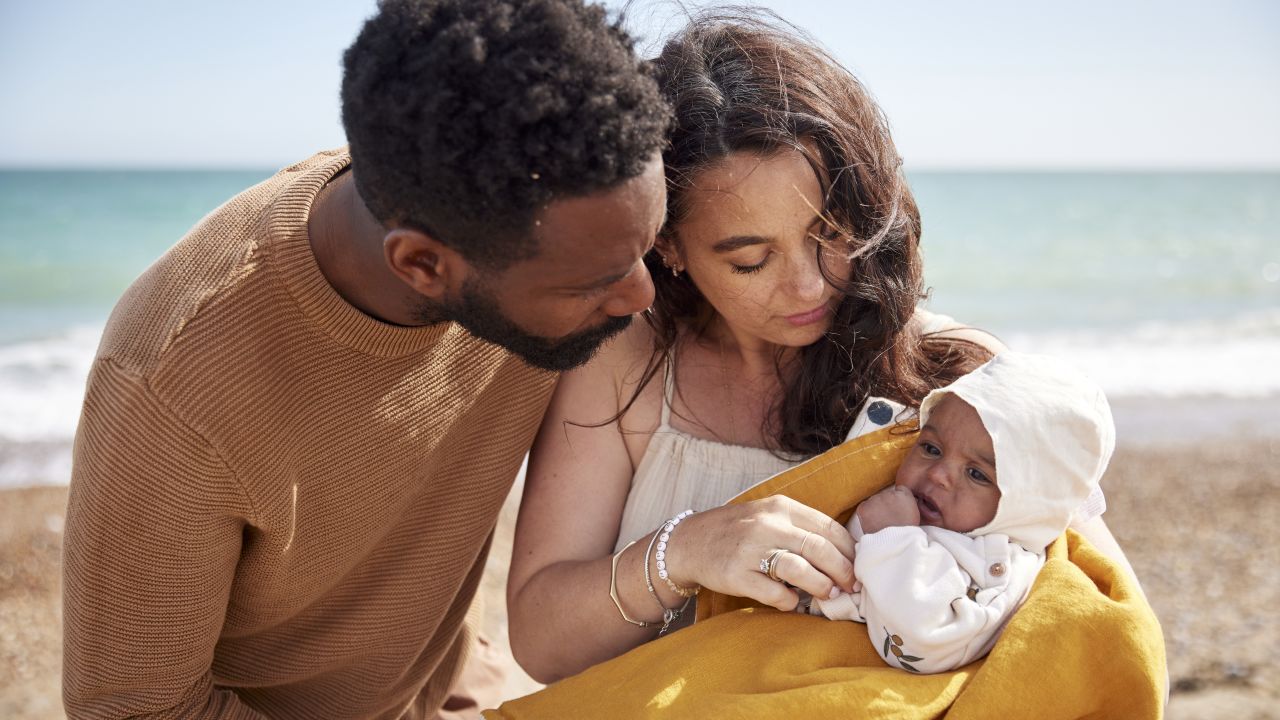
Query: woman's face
[750,241]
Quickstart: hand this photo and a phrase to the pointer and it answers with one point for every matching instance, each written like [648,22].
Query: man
[303,420]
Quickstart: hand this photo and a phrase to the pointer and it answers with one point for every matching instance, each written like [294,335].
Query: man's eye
[930,449]
[978,476]
[590,293]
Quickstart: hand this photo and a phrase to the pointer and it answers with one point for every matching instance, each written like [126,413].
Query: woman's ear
[425,264]
[670,252]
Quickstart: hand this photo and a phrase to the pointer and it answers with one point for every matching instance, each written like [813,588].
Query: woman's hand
[894,506]
[722,548]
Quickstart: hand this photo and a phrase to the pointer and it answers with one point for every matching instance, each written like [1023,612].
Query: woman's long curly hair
[747,82]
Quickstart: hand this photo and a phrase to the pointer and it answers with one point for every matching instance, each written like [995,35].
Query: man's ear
[425,264]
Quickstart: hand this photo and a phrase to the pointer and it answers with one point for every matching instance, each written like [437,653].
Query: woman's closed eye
[750,269]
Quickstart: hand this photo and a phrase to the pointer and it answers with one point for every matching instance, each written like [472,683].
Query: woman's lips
[808,317]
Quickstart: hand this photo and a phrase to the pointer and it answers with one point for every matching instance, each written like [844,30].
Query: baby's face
[952,469]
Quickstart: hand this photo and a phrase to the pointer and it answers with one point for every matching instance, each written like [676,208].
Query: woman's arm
[1096,532]
[562,619]
[575,491]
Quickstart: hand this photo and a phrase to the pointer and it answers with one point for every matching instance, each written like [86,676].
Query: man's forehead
[607,227]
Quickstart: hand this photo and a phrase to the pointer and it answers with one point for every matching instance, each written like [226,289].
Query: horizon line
[926,168]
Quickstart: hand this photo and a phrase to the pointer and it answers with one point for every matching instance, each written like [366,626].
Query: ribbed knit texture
[280,506]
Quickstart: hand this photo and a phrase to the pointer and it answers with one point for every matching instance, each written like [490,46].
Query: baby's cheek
[990,505]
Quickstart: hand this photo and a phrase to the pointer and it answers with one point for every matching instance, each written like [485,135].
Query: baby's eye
[930,449]
[978,476]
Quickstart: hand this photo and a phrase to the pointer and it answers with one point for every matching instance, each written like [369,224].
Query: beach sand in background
[1197,519]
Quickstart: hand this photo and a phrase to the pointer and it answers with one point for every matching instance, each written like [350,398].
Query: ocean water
[1160,285]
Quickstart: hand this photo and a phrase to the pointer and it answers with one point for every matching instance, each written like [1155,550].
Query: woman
[787,281]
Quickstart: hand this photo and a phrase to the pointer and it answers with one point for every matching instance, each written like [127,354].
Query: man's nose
[631,294]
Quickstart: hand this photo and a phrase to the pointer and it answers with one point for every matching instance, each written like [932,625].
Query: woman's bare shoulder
[624,357]
[601,392]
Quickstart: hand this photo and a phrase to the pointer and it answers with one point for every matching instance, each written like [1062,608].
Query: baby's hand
[891,507]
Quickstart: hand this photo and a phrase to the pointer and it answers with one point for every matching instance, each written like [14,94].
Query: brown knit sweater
[280,506]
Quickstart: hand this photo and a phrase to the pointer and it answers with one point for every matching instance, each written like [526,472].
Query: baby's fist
[891,507]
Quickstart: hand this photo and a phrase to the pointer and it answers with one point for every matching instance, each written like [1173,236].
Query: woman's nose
[807,280]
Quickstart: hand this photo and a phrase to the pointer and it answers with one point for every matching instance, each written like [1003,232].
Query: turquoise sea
[1160,284]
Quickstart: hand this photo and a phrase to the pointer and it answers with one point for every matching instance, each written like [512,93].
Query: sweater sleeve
[153,536]
[923,611]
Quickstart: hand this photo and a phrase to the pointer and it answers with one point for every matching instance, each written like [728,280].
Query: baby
[946,555]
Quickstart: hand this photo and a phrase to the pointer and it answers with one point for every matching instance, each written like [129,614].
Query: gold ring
[769,565]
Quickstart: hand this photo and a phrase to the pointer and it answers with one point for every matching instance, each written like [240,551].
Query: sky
[985,85]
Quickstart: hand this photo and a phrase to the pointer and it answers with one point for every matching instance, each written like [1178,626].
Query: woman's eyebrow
[738,241]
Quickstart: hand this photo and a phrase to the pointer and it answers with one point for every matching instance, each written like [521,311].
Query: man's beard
[480,316]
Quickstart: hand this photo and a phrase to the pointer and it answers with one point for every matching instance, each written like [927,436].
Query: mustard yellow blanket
[1084,645]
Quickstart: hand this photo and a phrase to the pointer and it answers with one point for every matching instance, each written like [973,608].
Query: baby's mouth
[929,511]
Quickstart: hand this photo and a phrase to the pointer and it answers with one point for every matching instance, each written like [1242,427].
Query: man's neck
[347,243]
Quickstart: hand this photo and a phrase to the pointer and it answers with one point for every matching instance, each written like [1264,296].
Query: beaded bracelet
[663,538]
[613,588]
[669,615]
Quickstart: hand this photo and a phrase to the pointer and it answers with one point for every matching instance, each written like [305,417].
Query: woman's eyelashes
[823,235]
[750,269]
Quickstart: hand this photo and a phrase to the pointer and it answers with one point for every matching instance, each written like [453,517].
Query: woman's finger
[823,558]
[824,543]
[794,569]
[773,593]
[807,519]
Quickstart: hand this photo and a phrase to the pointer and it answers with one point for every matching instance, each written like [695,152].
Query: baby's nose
[939,476]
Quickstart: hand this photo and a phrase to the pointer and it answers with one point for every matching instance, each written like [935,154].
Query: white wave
[1237,358]
[42,385]
[42,381]
[28,464]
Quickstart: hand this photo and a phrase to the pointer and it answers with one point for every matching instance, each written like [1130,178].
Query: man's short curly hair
[466,118]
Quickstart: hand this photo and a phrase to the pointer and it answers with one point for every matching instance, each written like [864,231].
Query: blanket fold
[1084,645]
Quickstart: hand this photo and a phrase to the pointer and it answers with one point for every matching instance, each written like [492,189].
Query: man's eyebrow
[611,279]
[602,282]
[990,461]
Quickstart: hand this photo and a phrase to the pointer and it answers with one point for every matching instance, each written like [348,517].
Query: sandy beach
[1196,517]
